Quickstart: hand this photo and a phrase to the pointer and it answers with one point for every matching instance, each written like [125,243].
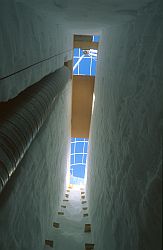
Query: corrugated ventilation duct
[22,117]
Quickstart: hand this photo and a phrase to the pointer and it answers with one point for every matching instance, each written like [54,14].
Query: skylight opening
[85,60]
[78,158]
[84,64]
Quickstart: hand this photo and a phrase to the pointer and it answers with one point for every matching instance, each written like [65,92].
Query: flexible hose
[22,117]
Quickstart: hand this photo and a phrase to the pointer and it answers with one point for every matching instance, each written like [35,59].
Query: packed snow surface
[29,201]
[124,166]
[70,234]
[32,45]
[124,180]
[36,35]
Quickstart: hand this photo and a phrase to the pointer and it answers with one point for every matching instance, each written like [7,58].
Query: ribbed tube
[22,117]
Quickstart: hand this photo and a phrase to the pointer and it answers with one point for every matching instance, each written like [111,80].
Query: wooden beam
[82,97]
[85,45]
[86,38]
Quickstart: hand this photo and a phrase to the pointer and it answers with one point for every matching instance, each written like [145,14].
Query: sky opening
[79,149]
[85,60]
[84,63]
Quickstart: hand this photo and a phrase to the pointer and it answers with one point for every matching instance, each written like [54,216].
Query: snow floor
[70,234]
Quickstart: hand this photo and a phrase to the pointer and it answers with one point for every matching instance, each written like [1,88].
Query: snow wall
[124,185]
[29,203]
[33,43]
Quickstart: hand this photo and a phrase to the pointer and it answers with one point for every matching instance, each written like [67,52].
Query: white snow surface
[34,30]
[124,179]
[124,165]
[70,234]
[28,36]
[30,200]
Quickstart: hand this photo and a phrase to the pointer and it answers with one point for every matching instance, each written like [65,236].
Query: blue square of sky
[78,158]
[96,38]
[84,158]
[72,148]
[79,139]
[93,71]
[76,52]
[72,159]
[79,147]
[84,67]
[79,171]
[86,147]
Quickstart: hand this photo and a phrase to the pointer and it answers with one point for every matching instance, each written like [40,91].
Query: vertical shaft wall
[29,202]
[124,165]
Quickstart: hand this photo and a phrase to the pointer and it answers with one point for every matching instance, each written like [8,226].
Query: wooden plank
[85,45]
[82,97]
[86,38]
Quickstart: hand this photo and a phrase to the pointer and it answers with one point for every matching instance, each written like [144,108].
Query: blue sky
[87,66]
[79,146]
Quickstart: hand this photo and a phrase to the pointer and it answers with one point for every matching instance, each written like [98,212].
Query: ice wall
[29,202]
[35,37]
[124,185]
[33,43]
